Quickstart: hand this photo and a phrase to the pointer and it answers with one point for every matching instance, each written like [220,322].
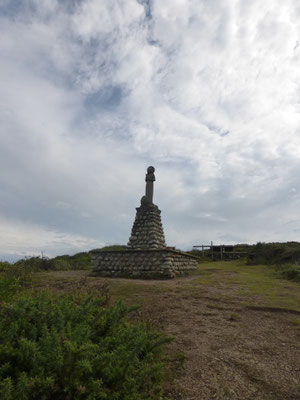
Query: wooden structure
[221,251]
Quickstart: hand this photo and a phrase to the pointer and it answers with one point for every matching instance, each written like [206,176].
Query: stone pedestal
[143,264]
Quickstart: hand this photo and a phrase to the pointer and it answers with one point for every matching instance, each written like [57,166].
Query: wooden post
[202,251]
[212,251]
[221,251]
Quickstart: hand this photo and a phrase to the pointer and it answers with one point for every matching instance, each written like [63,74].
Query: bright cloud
[94,92]
[29,240]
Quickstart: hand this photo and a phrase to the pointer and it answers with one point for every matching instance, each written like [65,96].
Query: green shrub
[4,265]
[32,263]
[75,262]
[60,264]
[291,272]
[14,277]
[63,263]
[283,257]
[9,286]
[275,253]
[114,247]
[75,348]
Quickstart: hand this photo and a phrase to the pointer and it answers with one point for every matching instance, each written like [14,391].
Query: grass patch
[126,290]
[254,284]
[296,322]
[234,316]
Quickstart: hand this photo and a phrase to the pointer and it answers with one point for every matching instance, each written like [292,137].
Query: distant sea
[10,257]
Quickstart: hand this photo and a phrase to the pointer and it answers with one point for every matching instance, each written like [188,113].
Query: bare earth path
[238,328]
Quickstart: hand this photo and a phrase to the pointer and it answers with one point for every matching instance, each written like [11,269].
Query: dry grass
[237,327]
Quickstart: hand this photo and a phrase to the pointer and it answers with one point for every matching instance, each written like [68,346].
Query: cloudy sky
[94,91]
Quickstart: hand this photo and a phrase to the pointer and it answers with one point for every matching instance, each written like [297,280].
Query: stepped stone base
[144,264]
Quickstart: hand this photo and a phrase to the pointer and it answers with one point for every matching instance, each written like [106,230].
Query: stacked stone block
[147,231]
[144,264]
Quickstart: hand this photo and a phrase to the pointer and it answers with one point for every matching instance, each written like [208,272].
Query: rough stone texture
[145,264]
[147,231]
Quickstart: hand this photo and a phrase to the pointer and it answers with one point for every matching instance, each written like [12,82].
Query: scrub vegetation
[71,344]
[284,256]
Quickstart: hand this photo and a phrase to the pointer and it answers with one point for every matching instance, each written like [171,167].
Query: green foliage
[32,263]
[275,253]
[72,347]
[115,247]
[78,261]
[285,256]
[9,286]
[4,265]
[14,277]
[291,272]
[75,262]
[243,247]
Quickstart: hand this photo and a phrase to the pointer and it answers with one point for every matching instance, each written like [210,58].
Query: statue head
[150,170]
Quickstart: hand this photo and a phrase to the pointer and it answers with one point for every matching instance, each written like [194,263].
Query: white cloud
[92,92]
[30,240]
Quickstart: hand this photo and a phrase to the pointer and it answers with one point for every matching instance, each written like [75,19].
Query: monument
[146,255]
[147,231]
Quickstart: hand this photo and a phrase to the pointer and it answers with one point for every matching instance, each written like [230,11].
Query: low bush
[78,261]
[15,276]
[275,253]
[114,247]
[4,265]
[284,257]
[73,347]
[287,271]
[8,287]
[75,262]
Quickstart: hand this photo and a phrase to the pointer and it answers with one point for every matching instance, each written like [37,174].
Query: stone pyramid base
[161,263]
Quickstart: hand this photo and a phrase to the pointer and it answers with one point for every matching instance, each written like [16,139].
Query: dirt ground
[238,332]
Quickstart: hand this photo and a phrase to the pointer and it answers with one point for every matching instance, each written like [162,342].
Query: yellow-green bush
[75,348]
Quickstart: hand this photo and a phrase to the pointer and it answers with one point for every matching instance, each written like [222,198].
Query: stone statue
[150,178]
